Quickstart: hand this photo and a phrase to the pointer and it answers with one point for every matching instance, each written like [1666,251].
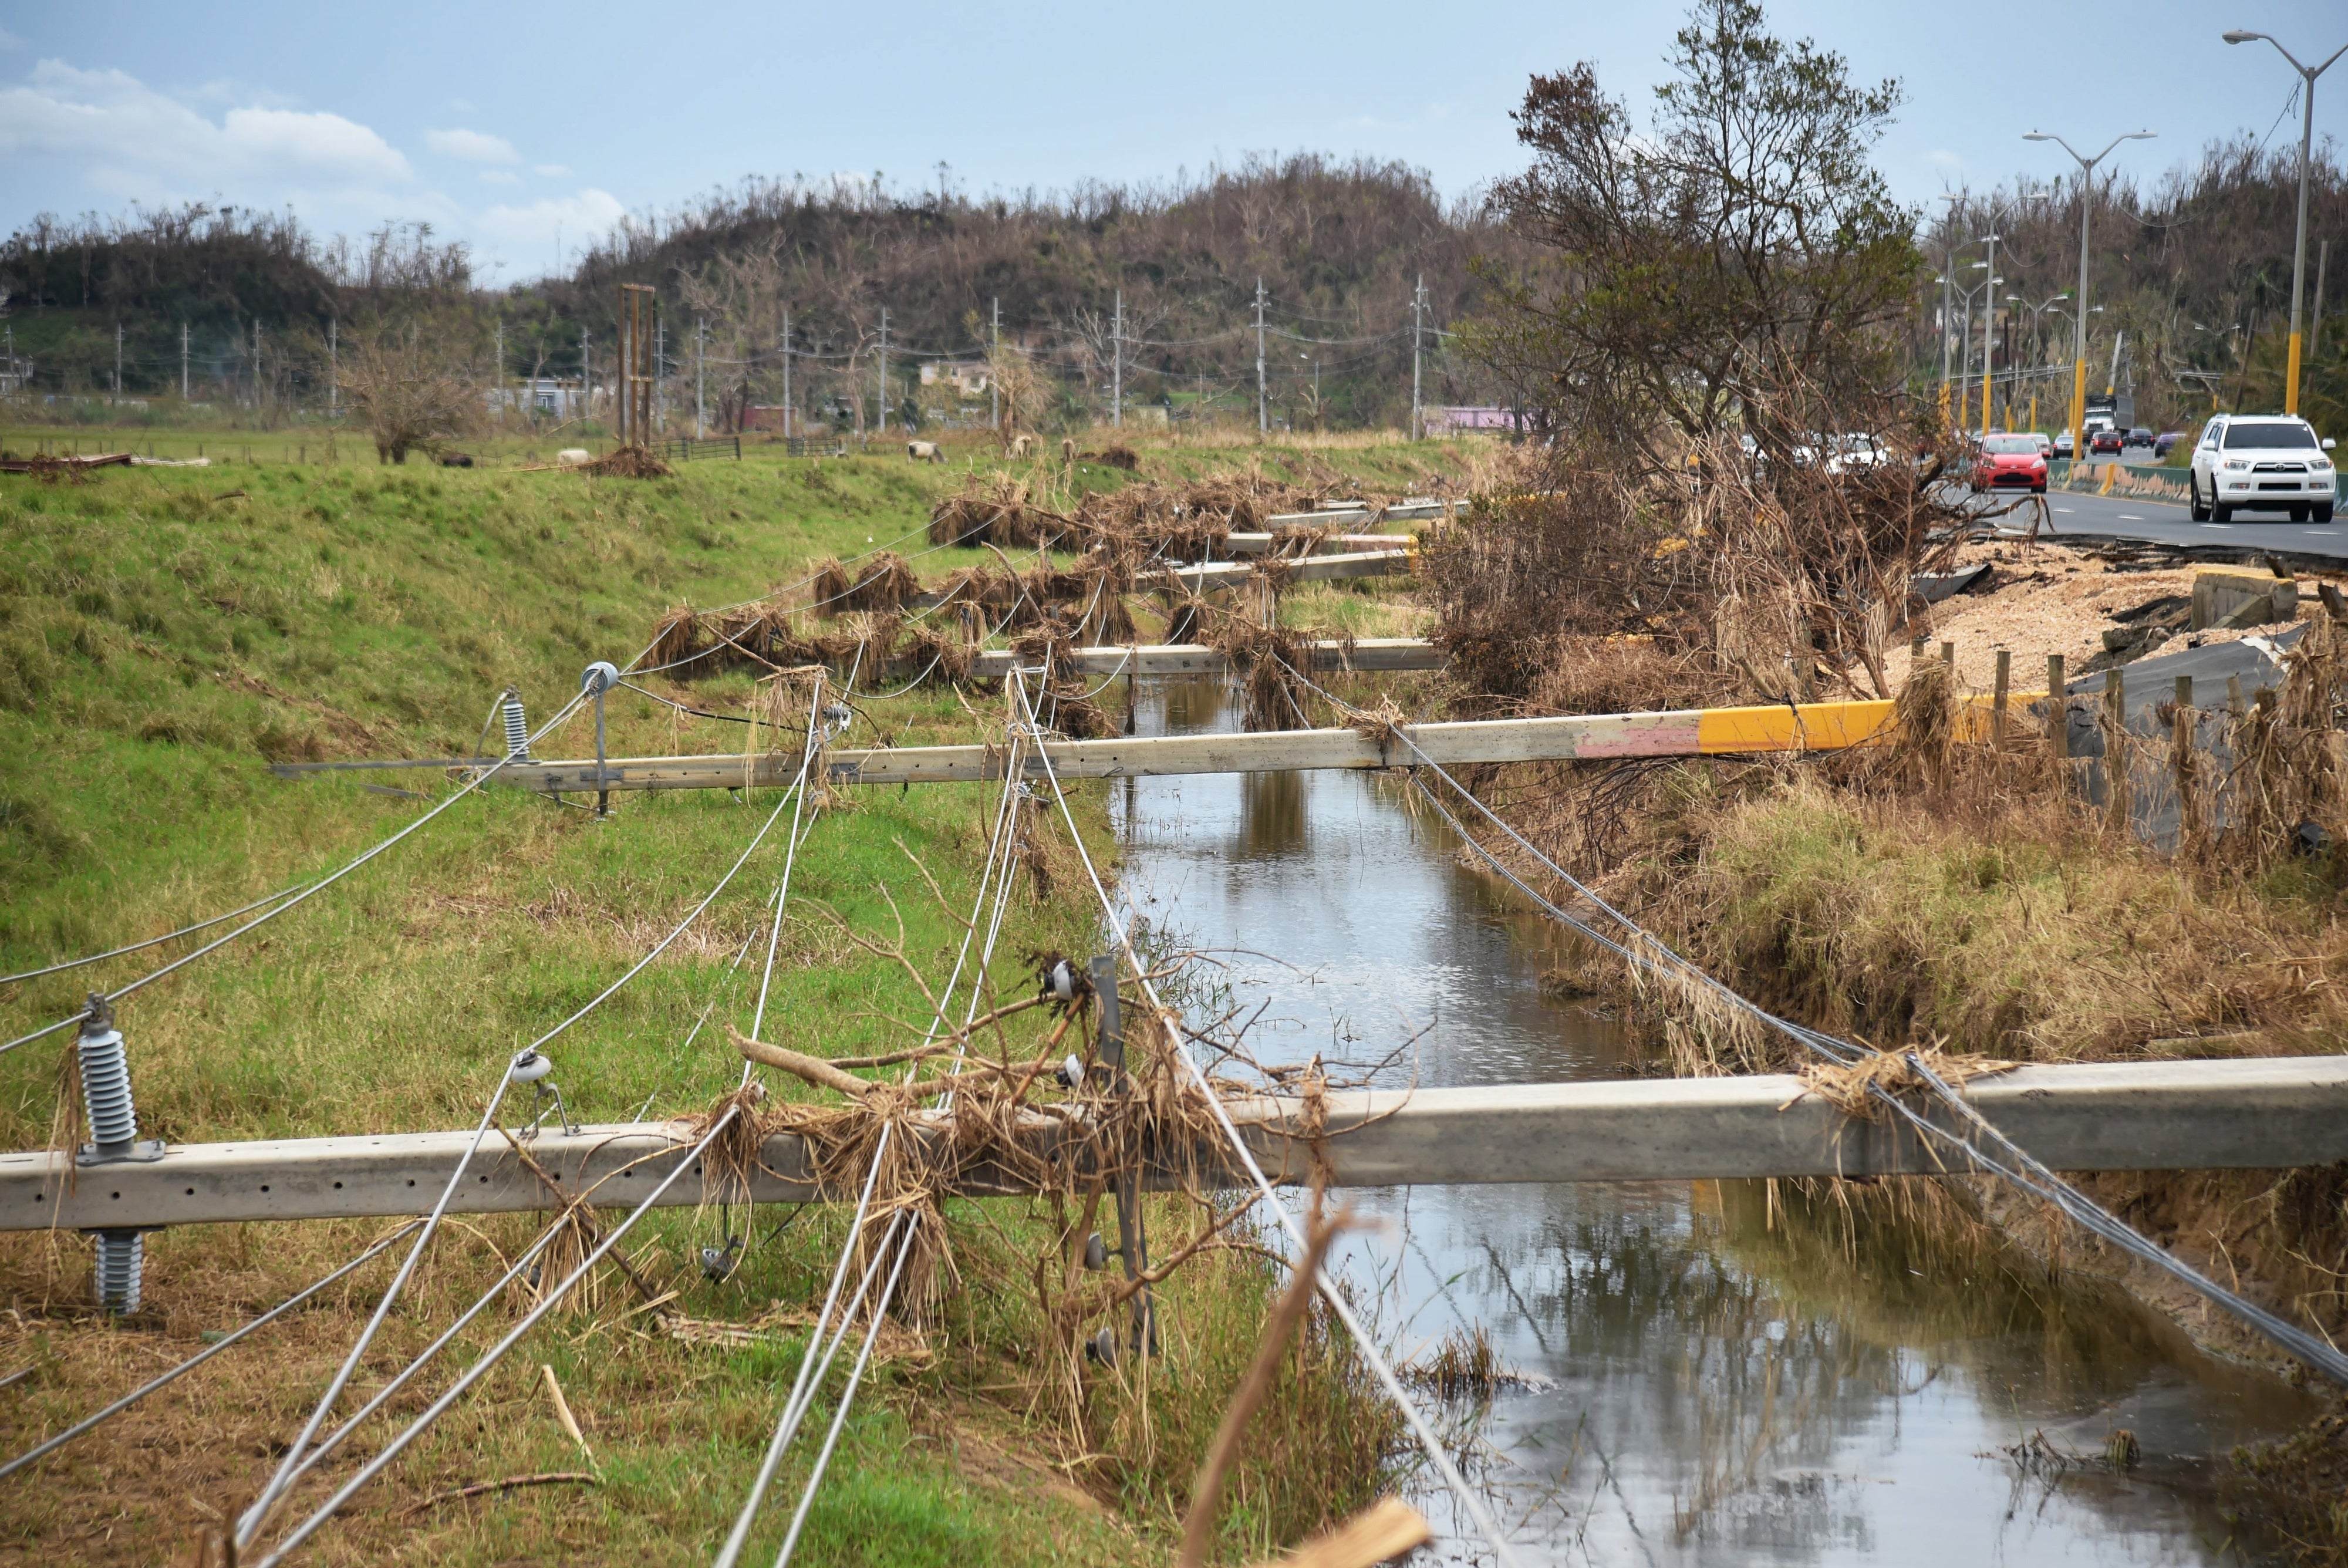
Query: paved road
[2134,517]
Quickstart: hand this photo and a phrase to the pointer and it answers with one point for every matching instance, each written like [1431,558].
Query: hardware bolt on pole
[1133,1243]
[597,680]
[1262,403]
[113,1134]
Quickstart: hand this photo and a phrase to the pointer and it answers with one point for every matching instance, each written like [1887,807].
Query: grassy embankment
[161,630]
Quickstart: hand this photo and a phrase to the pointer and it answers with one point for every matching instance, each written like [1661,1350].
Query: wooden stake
[2005,683]
[2058,709]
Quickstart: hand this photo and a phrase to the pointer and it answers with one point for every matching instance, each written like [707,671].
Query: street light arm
[2326,65]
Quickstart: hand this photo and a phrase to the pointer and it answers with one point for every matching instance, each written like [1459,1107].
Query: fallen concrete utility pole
[1262,544]
[1311,569]
[1401,512]
[2264,1113]
[1364,654]
[1817,726]
[1607,736]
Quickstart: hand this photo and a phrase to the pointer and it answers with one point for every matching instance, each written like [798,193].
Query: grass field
[165,631]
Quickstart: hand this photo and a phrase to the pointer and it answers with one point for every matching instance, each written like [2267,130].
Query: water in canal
[1712,1378]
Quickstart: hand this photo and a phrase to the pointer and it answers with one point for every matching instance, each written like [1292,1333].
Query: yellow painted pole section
[2079,410]
[2290,377]
[1988,380]
[2110,469]
[1830,726]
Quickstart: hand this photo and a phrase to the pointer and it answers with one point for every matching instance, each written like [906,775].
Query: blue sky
[507,125]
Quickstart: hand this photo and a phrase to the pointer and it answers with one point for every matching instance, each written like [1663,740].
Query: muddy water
[1713,1377]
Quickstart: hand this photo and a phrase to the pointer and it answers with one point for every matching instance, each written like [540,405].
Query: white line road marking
[2064,509]
[2227,526]
[2125,516]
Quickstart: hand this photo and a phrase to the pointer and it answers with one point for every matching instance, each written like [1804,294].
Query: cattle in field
[1022,446]
[923,452]
[572,456]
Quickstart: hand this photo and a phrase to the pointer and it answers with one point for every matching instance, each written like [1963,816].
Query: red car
[2010,462]
[2111,441]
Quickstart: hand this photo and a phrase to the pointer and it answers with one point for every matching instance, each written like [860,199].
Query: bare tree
[410,391]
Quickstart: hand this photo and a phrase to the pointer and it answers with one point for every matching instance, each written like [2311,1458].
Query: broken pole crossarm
[2258,1113]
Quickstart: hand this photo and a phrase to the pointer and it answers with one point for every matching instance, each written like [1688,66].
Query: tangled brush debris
[627,463]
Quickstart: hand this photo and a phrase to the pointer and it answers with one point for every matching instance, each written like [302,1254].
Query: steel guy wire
[424,1358]
[815,1360]
[253,1518]
[2032,1175]
[481,1368]
[909,1220]
[150,942]
[475,782]
[418,1364]
[1428,1441]
[200,1358]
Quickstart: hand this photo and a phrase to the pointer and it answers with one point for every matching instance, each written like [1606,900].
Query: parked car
[2062,445]
[2106,440]
[1855,451]
[2010,462]
[2267,462]
[2165,439]
[2140,437]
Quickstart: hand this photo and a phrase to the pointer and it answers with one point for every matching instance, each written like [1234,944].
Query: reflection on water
[1727,1373]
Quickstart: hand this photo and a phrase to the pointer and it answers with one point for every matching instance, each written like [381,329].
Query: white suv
[2267,462]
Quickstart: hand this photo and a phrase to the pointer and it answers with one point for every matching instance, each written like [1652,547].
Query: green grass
[163,632]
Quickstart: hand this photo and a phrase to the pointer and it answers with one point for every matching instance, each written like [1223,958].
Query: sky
[527,131]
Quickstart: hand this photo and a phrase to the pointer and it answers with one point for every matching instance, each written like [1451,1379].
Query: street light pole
[2079,306]
[2306,140]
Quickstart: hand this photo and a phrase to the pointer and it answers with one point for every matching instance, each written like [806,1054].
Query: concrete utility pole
[1989,323]
[183,360]
[880,393]
[2079,306]
[334,364]
[786,373]
[117,357]
[256,362]
[497,376]
[1116,365]
[993,388]
[1418,334]
[700,380]
[2306,139]
[1262,400]
[660,371]
[586,380]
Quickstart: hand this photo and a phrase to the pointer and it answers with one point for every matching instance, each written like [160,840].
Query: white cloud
[552,171]
[471,146]
[498,177]
[128,139]
[9,40]
[580,216]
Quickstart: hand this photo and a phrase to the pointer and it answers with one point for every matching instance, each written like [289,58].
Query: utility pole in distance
[1116,366]
[700,381]
[1418,336]
[183,361]
[880,393]
[118,359]
[993,384]
[1262,401]
[786,373]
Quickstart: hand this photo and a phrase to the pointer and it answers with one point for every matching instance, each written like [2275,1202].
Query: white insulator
[106,1091]
[1062,981]
[1071,1073]
[530,1066]
[121,1255]
[599,678]
[516,726]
